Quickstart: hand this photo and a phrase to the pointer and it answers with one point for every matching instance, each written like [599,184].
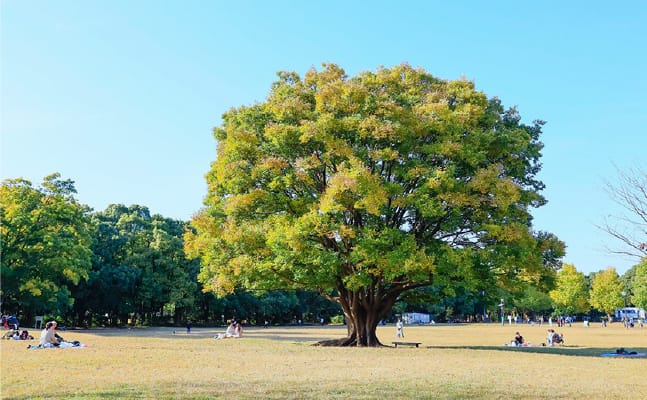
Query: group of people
[630,322]
[49,338]
[234,330]
[562,321]
[552,338]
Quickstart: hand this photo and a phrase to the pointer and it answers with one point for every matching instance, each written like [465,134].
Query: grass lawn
[454,362]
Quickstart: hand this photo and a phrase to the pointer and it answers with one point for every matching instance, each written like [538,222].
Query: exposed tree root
[346,342]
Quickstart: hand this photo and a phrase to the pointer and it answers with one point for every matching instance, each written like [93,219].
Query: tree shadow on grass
[558,350]
[295,334]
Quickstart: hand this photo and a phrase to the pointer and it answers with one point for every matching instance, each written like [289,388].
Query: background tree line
[125,266]
[115,267]
[595,295]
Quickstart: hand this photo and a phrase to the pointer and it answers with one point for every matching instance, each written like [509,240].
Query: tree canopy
[138,266]
[639,296]
[113,267]
[366,187]
[46,238]
[606,291]
[571,294]
[533,299]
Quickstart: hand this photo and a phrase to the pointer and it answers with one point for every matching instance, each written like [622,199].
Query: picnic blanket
[64,345]
[524,345]
[629,354]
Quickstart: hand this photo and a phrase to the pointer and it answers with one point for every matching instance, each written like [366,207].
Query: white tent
[415,318]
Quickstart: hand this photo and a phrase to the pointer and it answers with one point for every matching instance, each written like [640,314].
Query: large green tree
[606,291]
[571,294]
[46,237]
[366,187]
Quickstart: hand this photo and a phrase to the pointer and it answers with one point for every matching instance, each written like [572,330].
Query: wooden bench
[406,344]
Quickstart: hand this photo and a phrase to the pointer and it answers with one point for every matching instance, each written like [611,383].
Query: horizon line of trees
[114,267]
[124,266]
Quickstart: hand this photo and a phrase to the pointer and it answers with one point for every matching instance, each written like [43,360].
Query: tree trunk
[363,312]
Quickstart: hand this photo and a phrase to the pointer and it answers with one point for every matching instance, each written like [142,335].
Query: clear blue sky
[121,96]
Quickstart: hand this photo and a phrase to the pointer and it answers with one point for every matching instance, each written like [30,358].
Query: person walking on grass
[399,329]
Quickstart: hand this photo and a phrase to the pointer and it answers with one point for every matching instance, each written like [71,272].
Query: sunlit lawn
[454,361]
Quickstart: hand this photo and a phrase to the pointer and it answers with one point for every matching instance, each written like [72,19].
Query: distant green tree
[365,188]
[628,279]
[112,287]
[606,291]
[533,299]
[639,297]
[139,267]
[313,306]
[166,277]
[46,238]
[570,295]
[278,306]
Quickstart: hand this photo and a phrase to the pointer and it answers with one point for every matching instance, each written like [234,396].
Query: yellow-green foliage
[46,238]
[369,186]
[570,295]
[606,291]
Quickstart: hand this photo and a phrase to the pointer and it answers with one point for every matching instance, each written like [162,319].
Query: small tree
[570,295]
[606,291]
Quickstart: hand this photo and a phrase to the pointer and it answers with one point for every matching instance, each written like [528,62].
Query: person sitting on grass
[233,331]
[238,331]
[518,339]
[557,338]
[48,337]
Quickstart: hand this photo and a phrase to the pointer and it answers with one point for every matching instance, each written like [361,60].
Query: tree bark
[363,310]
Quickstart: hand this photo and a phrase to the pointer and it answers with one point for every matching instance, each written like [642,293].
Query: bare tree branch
[630,192]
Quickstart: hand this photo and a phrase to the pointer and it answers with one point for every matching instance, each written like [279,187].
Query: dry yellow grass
[460,361]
